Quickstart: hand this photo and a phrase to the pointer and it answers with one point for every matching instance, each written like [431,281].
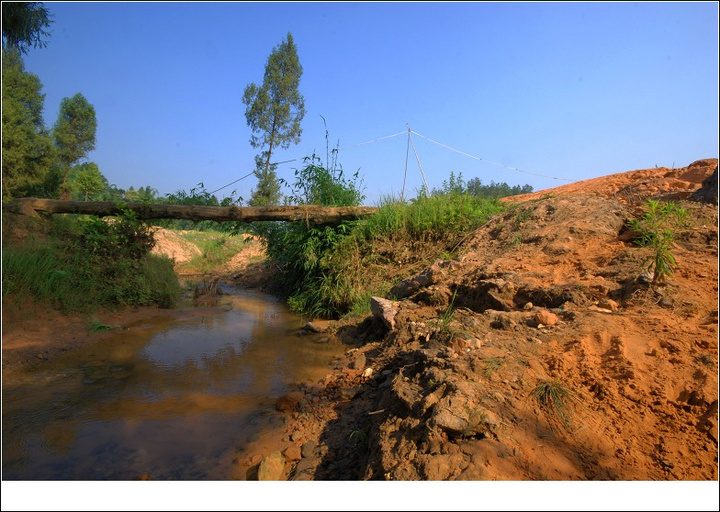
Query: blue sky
[563,90]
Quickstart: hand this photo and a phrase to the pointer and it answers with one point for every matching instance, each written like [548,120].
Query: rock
[306,466]
[367,373]
[313,328]
[458,416]
[289,401]
[708,192]
[425,278]
[437,468]
[272,467]
[666,302]
[545,317]
[293,453]
[348,393]
[609,304]
[385,310]
[309,449]
[359,362]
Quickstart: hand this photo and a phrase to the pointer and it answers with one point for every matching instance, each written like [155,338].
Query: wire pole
[427,189]
[407,154]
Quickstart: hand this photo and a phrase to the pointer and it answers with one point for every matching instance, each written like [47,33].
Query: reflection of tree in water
[118,389]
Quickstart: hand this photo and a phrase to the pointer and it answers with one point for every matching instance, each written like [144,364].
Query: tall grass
[86,264]
[325,268]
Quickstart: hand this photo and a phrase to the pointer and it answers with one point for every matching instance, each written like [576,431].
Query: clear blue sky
[568,90]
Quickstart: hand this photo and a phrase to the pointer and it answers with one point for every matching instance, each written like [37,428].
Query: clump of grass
[705,359]
[492,364]
[444,331]
[97,326]
[557,401]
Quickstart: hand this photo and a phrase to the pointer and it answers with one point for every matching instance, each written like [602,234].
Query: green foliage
[444,332]
[267,192]
[274,112]
[200,197]
[492,364]
[123,237]
[324,268]
[324,185]
[86,179]
[496,190]
[75,128]
[74,133]
[657,229]
[438,217]
[24,24]
[474,187]
[705,359]
[97,326]
[302,251]
[217,249]
[145,195]
[88,263]
[27,151]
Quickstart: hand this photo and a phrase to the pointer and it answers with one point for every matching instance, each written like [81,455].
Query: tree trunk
[310,213]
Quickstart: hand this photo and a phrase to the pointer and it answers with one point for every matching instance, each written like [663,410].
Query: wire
[371,141]
[489,161]
[232,183]
[296,159]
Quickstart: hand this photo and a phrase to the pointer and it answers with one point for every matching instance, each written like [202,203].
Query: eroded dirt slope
[553,293]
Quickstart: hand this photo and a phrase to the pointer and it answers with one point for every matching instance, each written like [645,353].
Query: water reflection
[174,401]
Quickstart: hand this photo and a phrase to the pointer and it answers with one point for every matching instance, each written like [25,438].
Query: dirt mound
[170,244]
[541,353]
[633,187]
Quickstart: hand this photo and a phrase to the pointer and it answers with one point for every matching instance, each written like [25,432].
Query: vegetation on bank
[85,263]
[324,271]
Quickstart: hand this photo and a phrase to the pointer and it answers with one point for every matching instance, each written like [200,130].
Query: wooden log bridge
[306,213]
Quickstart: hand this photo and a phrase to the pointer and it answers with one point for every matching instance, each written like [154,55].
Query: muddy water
[175,401]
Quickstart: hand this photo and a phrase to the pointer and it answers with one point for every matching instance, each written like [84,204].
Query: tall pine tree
[274,112]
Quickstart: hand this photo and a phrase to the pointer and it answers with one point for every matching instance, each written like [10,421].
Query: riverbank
[549,300]
[540,353]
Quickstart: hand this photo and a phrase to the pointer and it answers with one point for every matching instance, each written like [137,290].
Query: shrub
[88,263]
[657,229]
[301,251]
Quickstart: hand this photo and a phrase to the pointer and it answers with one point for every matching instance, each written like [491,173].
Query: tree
[87,179]
[274,112]
[24,24]
[27,151]
[74,133]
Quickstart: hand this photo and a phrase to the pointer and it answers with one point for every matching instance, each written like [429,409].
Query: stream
[173,400]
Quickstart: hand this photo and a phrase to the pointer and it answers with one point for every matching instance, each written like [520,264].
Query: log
[308,213]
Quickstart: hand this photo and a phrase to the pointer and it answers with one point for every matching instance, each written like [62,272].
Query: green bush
[88,263]
[323,269]
[657,229]
[302,251]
